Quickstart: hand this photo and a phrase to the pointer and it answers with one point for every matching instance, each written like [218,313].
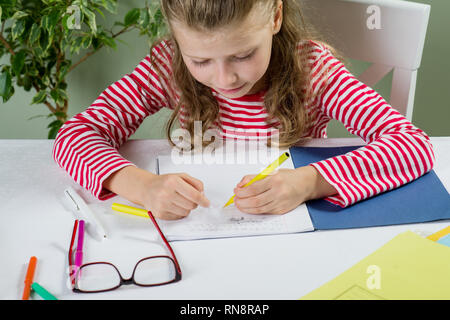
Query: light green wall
[432,102]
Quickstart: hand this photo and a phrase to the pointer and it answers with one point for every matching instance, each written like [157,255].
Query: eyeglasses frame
[178,274]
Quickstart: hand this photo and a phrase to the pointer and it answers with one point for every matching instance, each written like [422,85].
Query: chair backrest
[390,34]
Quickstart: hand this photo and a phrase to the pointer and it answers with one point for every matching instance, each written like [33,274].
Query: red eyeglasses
[104,276]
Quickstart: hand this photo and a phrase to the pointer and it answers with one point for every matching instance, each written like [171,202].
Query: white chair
[396,43]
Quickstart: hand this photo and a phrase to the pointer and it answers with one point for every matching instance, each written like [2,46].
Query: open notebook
[422,200]
[219,180]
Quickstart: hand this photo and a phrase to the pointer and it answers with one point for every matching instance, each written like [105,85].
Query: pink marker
[79,252]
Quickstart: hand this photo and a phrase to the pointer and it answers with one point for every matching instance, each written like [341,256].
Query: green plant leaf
[38,52]
[55,123]
[86,41]
[63,94]
[109,41]
[144,19]
[54,127]
[5,83]
[154,29]
[27,83]
[132,17]
[34,33]
[62,85]
[54,131]
[58,114]
[17,28]
[75,46]
[37,116]
[19,14]
[96,43]
[110,5]
[59,96]
[46,80]
[100,11]
[54,95]
[39,97]
[9,95]
[18,61]
[64,69]
[44,43]
[49,21]
[159,17]
[91,19]
[32,71]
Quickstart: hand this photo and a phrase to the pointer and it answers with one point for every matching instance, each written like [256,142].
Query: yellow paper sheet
[407,267]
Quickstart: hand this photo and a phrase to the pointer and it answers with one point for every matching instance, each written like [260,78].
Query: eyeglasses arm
[165,241]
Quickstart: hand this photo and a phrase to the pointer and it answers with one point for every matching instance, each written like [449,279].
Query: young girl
[245,68]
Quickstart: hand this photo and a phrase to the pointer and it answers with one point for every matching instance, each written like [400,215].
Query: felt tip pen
[29,278]
[270,168]
[130,210]
[93,225]
[79,251]
[43,293]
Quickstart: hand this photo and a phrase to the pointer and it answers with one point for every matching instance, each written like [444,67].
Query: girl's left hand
[278,193]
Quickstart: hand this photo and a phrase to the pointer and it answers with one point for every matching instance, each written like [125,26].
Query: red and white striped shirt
[396,152]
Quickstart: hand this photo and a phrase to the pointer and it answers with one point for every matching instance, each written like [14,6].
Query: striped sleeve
[87,145]
[396,152]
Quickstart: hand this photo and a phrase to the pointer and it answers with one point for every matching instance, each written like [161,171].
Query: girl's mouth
[231,91]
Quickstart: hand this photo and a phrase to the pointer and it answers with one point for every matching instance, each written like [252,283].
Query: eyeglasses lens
[154,271]
[97,277]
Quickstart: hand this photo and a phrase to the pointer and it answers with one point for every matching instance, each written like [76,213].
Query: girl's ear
[278,18]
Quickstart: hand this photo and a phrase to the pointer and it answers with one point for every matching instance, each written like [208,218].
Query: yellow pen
[264,173]
[130,210]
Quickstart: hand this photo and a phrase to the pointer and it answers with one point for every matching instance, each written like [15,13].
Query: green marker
[42,292]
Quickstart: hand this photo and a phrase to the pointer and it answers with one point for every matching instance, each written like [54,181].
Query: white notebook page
[219,180]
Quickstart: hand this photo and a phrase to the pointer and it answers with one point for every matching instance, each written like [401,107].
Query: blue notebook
[421,200]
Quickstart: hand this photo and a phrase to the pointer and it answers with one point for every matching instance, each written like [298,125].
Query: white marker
[93,225]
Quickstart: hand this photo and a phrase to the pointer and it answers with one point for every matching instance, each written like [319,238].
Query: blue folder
[422,200]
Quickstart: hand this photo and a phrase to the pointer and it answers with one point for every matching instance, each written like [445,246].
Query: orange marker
[29,278]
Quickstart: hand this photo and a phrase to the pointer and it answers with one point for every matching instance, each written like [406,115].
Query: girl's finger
[182,202]
[177,210]
[169,216]
[254,189]
[265,209]
[259,200]
[246,179]
[186,189]
[197,184]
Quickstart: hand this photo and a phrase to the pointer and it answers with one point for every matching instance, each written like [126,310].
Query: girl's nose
[226,77]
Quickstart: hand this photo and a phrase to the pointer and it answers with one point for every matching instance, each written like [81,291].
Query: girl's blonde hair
[285,98]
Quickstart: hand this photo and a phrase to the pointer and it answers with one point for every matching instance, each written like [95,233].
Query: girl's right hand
[167,196]
[172,196]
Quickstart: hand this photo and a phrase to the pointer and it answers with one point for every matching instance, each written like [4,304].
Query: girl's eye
[200,63]
[205,62]
[247,57]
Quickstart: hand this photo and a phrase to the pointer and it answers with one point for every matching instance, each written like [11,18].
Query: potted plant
[43,39]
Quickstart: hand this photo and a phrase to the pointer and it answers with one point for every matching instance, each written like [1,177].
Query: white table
[36,221]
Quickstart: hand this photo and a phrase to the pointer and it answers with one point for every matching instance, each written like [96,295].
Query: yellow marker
[264,173]
[441,233]
[130,210]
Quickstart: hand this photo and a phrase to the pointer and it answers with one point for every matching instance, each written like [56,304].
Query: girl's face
[232,60]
